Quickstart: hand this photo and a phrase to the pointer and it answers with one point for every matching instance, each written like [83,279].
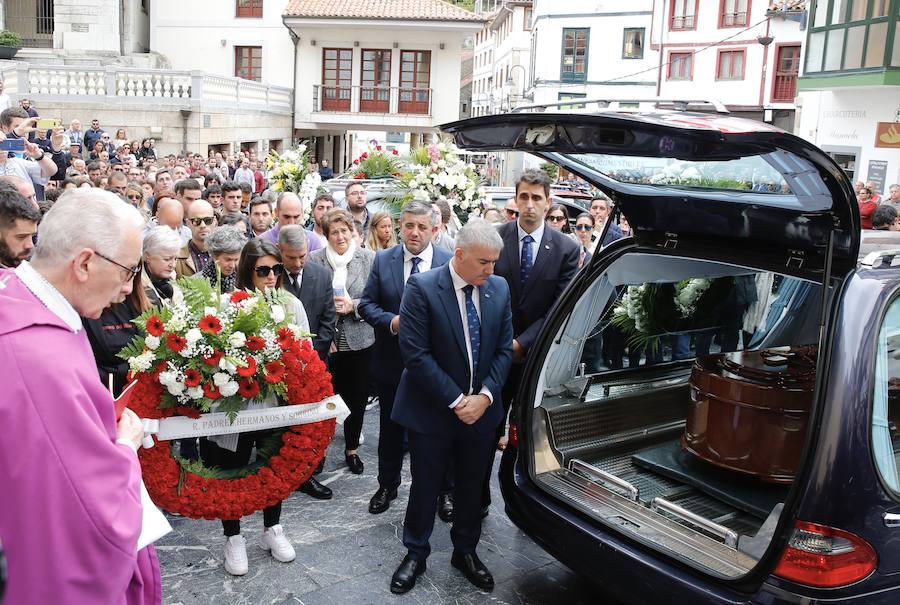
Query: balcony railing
[161,86]
[682,21]
[734,19]
[785,88]
[372,99]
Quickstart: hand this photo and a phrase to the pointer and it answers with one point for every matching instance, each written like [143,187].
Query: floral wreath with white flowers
[289,171]
[437,172]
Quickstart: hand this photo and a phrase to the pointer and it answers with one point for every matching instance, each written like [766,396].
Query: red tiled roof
[429,10]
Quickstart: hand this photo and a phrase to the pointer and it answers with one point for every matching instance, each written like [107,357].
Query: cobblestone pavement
[346,555]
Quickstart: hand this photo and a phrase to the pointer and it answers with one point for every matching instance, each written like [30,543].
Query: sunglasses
[206,220]
[512,212]
[264,270]
[135,198]
[556,218]
[583,228]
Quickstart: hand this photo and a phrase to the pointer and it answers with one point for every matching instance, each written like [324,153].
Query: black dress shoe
[354,464]
[405,576]
[474,570]
[445,508]
[381,501]
[312,487]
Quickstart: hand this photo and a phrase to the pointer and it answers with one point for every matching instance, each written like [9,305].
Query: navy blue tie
[527,259]
[415,268]
[474,330]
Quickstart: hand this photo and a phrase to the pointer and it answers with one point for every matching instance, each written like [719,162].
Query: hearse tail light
[825,557]
[513,439]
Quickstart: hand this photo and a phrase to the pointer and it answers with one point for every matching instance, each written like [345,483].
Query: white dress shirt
[427,255]
[295,282]
[49,295]
[458,285]
[537,234]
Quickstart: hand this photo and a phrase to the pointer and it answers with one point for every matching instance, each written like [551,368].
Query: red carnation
[249,369]
[364,155]
[285,338]
[356,161]
[192,377]
[213,360]
[211,391]
[274,371]
[394,151]
[155,326]
[378,148]
[175,342]
[255,343]
[248,388]
[210,324]
[239,295]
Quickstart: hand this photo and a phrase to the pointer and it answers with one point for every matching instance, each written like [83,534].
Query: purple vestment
[70,508]
[313,241]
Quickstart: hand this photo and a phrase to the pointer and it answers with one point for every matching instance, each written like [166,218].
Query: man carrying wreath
[70,515]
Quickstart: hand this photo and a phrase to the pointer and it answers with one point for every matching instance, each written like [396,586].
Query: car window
[886,400]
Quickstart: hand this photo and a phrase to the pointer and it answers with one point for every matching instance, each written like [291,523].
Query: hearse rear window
[886,402]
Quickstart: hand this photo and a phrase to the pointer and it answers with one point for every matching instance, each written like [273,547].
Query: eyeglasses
[132,271]
[512,212]
[264,270]
[206,220]
[135,197]
[583,228]
[556,218]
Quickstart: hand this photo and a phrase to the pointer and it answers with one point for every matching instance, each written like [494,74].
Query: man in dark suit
[537,264]
[380,307]
[456,343]
[600,211]
[311,284]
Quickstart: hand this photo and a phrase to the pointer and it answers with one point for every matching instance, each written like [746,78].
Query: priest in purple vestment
[70,510]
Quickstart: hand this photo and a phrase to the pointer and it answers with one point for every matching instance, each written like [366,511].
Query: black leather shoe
[405,577]
[445,508]
[354,464]
[312,487]
[485,511]
[474,570]
[381,501]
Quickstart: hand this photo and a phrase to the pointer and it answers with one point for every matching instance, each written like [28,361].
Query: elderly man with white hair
[70,515]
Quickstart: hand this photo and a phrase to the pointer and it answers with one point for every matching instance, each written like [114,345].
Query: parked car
[744,447]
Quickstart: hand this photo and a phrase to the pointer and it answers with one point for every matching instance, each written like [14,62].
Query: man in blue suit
[380,307]
[456,343]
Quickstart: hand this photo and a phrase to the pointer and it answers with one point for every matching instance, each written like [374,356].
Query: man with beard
[194,257]
[18,222]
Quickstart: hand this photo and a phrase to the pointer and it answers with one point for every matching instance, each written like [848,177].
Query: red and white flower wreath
[303,446]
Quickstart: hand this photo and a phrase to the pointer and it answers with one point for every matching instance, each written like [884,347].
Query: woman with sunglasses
[584,229]
[113,330]
[134,193]
[558,218]
[260,268]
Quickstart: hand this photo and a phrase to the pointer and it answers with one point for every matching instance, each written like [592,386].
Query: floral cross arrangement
[375,163]
[289,171]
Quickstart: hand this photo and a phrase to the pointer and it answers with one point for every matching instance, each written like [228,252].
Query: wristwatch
[41,157]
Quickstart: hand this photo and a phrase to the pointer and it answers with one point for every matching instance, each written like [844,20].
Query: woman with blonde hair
[120,139]
[381,232]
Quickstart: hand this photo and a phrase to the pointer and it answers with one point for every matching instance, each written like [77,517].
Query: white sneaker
[236,555]
[274,540]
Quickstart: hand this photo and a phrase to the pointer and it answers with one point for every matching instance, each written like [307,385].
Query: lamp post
[511,84]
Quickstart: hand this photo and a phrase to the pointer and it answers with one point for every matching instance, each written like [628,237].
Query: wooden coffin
[749,410]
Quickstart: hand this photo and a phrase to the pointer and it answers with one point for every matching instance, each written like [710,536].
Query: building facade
[502,57]
[744,53]
[850,89]
[365,67]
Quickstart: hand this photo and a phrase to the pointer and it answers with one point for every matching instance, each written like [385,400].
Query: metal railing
[32,20]
[682,21]
[372,99]
[182,88]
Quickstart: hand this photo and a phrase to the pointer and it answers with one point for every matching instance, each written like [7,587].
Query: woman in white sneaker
[260,268]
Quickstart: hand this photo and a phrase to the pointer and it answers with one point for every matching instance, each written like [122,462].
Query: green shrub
[8,38]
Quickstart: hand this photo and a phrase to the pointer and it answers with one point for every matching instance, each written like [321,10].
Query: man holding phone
[16,124]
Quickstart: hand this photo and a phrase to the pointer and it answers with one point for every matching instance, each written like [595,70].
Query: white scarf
[339,263]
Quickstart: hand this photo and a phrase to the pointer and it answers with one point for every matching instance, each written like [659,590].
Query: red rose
[155,326]
[285,338]
[364,155]
[249,369]
[192,377]
[377,147]
[210,324]
[255,343]
[239,295]
[248,388]
[394,151]
[356,161]
[213,360]
[274,371]
[211,391]
[175,342]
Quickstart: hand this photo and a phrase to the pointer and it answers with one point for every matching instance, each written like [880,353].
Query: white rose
[228,366]
[168,377]
[277,314]
[194,393]
[237,340]
[175,388]
[220,378]
[193,335]
[229,388]
[152,342]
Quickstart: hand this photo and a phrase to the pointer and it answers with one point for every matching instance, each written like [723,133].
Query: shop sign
[887,135]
